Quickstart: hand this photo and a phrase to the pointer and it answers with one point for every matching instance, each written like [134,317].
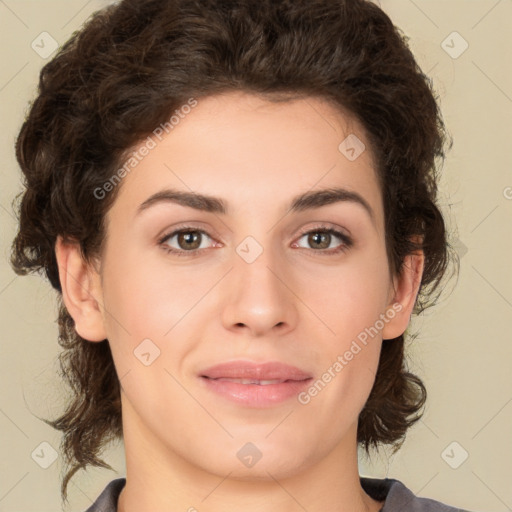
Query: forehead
[253,152]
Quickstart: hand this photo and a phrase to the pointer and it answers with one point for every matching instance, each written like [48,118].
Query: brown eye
[187,241]
[320,239]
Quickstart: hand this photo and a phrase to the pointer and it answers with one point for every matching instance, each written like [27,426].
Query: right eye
[188,238]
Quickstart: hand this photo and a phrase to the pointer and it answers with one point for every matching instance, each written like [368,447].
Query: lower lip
[256,395]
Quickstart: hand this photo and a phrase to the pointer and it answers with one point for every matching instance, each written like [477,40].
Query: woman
[236,204]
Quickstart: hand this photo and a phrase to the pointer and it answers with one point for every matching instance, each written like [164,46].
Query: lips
[252,381]
[261,373]
[255,385]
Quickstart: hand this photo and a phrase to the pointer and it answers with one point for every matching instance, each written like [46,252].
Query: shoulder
[399,498]
[107,500]
[396,497]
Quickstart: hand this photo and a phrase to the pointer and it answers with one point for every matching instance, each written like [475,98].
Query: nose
[259,300]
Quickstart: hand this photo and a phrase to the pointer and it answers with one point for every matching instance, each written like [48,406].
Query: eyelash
[347,241]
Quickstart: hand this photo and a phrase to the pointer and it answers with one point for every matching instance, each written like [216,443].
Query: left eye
[323,237]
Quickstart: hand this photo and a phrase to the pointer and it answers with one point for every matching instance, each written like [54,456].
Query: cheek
[350,304]
[144,297]
[349,355]
[145,309]
[348,299]
[149,299]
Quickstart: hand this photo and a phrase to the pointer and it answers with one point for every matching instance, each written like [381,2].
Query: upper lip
[272,370]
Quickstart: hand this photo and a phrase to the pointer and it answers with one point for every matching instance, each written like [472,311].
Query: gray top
[398,498]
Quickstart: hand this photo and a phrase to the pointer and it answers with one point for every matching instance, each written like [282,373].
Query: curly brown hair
[133,64]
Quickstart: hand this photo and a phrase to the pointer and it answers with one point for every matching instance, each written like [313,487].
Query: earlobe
[81,290]
[406,287]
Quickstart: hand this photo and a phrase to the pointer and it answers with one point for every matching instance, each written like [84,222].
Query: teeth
[253,381]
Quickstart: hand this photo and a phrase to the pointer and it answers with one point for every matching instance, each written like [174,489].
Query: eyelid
[347,241]
[325,225]
[182,228]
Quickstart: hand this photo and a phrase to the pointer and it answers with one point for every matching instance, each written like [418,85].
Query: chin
[257,460]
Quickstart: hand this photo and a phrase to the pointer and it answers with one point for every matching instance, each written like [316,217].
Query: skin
[292,304]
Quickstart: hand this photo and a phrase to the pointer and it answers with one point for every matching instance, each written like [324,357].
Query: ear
[81,290]
[404,293]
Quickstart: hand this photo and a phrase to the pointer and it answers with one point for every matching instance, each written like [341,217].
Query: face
[261,280]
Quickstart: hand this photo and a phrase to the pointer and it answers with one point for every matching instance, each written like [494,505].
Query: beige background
[464,351]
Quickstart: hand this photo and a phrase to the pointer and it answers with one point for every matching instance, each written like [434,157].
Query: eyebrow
[303,202]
